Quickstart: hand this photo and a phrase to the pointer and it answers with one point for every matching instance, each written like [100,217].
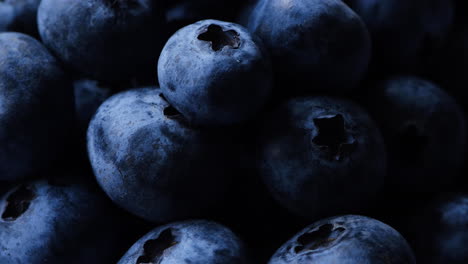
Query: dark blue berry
[151,162]
[424,130]
[44,222]
[36,107]
[316,45]
[215,73]
[321,156]
[103,39]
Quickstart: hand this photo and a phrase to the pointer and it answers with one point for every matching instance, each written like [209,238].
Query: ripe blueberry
[424,130]
[316,45]
[36,107]
[215,73]
[322,155]
[42,222]
[151,162]
[103,39]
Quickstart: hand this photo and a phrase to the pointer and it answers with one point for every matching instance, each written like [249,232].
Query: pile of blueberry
[233,132]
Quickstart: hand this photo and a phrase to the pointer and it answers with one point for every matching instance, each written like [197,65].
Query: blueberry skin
[405,33]
[151,162]
[36,112]
[425,132]
[189,242]
[322,43]
[89,95]
[440,232]
[215,73]
[43,223]
[346,239]
[320,156]
[19,16]
[103,39]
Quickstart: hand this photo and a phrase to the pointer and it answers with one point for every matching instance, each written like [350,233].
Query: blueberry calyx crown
[322,237]
[153,249]
[332,136]
[17,203]
[220,38]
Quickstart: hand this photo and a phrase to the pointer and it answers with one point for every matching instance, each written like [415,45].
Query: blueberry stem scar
[154,248]
[332,135]
[220,38]
[17,203]
[320,238]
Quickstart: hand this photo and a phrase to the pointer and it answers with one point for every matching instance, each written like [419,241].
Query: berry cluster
[233,132]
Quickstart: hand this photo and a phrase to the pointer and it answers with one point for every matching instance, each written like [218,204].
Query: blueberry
[424,130]
[405,34]
[215,73]
[316,45]
[103,39]
[346,239]
[36,110]
[321,156]
[89,95]
[194,242]
[151,162]
[439,233]
[41,222]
